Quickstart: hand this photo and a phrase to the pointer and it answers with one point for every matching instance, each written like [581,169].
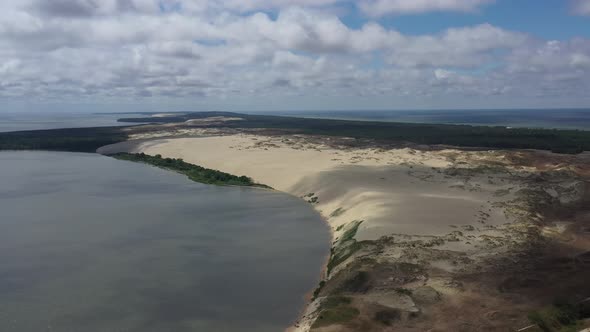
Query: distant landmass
[397,133]
[563,141]
[528,118]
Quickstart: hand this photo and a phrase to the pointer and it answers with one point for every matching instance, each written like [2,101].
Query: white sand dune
[456,208]
[399,191]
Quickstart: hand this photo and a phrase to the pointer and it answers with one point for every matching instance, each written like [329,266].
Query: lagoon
[90,243]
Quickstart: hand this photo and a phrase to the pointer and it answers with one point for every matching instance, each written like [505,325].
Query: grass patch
[338,212]
[342,255]
[351,232]
[346,246]
[358,283]
[334,301]
[317,291]
[403,291]
[336,310]
[562,316]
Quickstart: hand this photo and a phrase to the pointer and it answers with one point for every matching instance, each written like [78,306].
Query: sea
[578,119]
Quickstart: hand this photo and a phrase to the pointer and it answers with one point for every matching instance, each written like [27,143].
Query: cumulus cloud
[456,47]
[251,5]
[232,50]
[386,7]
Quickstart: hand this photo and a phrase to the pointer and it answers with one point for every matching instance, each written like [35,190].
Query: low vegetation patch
[358,283]
[346,246]
[351,231]
[336,310]
[562,316]
[403,291]
[338,212]
[194,172]
[387,316]
[317,291]
[342,254]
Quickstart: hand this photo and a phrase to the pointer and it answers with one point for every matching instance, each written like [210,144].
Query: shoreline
[308,296]
[263,208]
[323,269]
[445,213]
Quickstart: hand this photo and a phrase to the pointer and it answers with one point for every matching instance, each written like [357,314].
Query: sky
[249,55]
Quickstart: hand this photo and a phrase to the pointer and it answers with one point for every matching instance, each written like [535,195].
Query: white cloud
[251,5]
[581,7]
[228,50]
[457,47]
[386,7]
[580,60]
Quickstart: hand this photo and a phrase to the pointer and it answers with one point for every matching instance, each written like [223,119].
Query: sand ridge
[398,191]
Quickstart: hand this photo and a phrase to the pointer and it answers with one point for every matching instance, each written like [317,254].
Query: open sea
[529,118]
[37,121]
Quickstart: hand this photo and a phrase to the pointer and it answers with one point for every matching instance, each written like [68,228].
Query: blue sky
[122,55]
[549,19]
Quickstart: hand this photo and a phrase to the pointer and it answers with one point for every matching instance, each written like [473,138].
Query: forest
[194,172]
[555,140]
[71,140]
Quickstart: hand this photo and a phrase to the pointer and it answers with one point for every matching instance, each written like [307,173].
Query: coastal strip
[405,222]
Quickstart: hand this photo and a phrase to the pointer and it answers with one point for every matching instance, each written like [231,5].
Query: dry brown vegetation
[506,288]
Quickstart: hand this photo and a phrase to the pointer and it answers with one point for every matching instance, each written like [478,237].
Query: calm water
[541,118]
[89,243]
[34,121]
